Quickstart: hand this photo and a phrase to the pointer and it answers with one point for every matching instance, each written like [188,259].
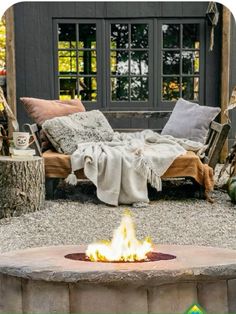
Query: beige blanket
[121,169]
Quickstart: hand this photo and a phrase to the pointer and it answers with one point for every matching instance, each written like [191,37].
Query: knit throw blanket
[121,169]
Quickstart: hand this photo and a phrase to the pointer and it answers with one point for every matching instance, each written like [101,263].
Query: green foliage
[232,189]
[2,43]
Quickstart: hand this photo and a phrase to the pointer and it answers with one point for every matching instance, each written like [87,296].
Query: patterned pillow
[68,131]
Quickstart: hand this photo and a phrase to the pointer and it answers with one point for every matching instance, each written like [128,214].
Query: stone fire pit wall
[41,280]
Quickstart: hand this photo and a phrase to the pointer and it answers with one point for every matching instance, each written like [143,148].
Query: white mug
[21,140]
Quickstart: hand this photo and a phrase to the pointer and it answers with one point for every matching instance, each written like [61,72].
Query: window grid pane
[180,61]
[77,61]
[129,53]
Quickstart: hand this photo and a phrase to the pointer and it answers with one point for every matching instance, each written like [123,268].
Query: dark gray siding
[34,40]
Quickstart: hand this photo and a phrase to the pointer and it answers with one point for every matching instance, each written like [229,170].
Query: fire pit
[151,257]
[42,280]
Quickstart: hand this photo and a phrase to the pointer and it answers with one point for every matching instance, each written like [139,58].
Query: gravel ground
[174,216]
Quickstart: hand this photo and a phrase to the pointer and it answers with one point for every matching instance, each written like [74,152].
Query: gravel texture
[174,216]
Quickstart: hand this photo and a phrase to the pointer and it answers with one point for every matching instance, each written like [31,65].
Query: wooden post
[10,62]
[225,72]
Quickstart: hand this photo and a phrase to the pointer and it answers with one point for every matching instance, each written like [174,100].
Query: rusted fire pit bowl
[151,257]
[42,280]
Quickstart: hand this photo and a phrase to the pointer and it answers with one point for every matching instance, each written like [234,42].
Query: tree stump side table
[22,185]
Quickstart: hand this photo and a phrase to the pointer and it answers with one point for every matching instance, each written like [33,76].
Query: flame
[124,245]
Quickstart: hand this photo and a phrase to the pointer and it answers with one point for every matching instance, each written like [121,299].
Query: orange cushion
[41,110]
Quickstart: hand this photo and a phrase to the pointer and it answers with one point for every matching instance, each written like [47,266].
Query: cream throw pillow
[66,132]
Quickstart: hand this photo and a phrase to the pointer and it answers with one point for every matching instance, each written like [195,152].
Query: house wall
[34,42]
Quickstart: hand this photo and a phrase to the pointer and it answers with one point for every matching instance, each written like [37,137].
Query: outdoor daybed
[58,166]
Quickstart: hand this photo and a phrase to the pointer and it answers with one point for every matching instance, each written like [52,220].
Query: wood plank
[20,39]
[100,9]
[10,63]
[139,123]
[217,144]
[135,130]
[225,66]
[171,9]
[143,9]
[33,67]
[116,9]
[83,9]
[194,9]
[45,49]
[137,114]
[120,123]
[216,126]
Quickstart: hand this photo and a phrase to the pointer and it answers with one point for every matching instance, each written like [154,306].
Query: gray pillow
[189,120]
[66,132]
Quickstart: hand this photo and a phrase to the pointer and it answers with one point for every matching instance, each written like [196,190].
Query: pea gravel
[176,217]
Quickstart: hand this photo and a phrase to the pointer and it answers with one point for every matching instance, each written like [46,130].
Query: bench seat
[189,165]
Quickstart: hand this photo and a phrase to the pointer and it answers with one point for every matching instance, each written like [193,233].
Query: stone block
[10,294]
[45,297]
[232,295]
[172,298]
[212,296]
[106,299]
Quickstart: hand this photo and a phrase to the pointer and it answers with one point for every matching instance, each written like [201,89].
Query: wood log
[22,186]
[225,72]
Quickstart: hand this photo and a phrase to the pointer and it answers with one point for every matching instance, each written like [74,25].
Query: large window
[130,63]
[180,61]
[129,56]
[77,61]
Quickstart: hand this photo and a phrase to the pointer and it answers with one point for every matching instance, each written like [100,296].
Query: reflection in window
[190,88]
[87,36]
[171,35]
[66,36]
[170,88]
[139,35]
[119,62]
[139,88]
[139,62]
[119,36]
[120,89]
[77,61]
[190,62]
[67,87]
[87,62]
[88,88]
[129,54]
[191,36]
[67,62]
[171,62]
[180,61]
